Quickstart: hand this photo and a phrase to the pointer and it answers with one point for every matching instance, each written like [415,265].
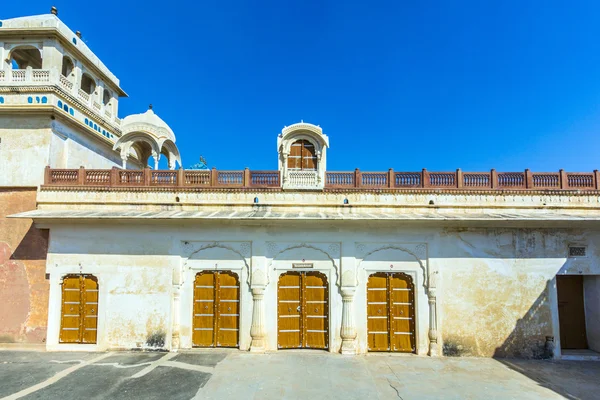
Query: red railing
[357,179]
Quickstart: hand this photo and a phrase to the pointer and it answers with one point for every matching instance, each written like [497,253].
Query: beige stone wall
[23,286]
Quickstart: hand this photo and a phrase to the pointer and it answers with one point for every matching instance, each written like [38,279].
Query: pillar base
[348,347]
[433,350]
[258,346]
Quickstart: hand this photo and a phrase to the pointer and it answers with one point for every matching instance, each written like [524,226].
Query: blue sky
[439,84]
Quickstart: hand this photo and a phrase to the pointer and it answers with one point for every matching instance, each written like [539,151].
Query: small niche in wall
[577,251]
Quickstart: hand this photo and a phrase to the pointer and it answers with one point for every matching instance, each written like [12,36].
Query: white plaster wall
[24,149]
[495,293]
[591,290]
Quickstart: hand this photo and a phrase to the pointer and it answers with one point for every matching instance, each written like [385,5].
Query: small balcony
[52,77]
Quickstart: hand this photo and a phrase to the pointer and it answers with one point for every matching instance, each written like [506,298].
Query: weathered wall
[30,143]
[591,290]
[25,150]
[495,297]
[23,286]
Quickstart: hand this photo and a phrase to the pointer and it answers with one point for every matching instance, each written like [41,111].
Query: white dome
[147,121]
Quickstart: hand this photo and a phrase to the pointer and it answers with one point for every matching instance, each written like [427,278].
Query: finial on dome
[54,11]
[150,107]
[78,33]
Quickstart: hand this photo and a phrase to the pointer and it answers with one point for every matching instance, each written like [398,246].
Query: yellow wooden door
[378,331]
[303,310]
[402,313]
[79,311]
[216,309]
[390,312]
[315,310]
[289,311]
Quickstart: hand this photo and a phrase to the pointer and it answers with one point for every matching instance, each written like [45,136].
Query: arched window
[87,84]
[302,156]
[106,96]
[67,66]
[23,57]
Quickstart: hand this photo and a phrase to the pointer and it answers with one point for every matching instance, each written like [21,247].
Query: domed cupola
[148,135]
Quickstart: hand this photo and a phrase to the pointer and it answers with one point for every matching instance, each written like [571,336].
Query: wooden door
[302,156]
[303,310]
[390,312]
[216,309]
[79,311]
[571,312]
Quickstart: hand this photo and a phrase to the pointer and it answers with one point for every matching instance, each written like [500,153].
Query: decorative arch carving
[308,246]
[222,246]
[422,263]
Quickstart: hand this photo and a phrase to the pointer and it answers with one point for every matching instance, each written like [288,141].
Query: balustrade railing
[302,179]
[83,95]
[65,82]
[424,179]
[19,75]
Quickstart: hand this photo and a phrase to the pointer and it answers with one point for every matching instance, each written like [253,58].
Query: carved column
[176,305]
[156,158]
[257,330]
[284,168]
[433,335]
[348,331]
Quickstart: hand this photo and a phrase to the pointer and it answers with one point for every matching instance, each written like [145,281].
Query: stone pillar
[156,158]
[124,159]
[433,335]
[284,168]
[257,330]
[176,327]
[348,331]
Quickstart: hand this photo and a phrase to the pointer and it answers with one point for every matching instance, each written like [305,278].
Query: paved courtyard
[287,375]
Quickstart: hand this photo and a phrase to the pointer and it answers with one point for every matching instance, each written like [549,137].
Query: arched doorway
[216,309]
[79,311]
[391,312]
[303,310]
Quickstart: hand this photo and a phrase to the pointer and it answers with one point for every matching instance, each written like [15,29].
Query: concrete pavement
[222,374]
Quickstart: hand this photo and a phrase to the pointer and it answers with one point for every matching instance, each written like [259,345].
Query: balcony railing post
[459,178]
[390,179]
[114,173]
[180,177]
[213,177]
[493,179]
[564,182]
[81,176]
[596,179]
[47,175]
[147,176]
[247,182]
[528,179]
[425,182]
[357,178]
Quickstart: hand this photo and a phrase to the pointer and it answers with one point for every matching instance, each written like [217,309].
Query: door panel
[79,311]
[402,313]
[571,312]
[303,310]
[228,288]
[289,335]
[315,310]
[89,309]
[378,312]
[390,312]
[204,304]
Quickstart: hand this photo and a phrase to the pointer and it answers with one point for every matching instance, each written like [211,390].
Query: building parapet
[352,180]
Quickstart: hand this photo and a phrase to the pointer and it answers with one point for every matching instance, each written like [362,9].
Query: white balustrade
[18,75]
[40,75]
[65,82]
[302,179]
[83,95]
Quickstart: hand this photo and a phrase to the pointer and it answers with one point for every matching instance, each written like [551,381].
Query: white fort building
[122,256]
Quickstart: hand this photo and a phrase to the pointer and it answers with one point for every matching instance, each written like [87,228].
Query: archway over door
[391,312]
[303,310]
[216,309]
